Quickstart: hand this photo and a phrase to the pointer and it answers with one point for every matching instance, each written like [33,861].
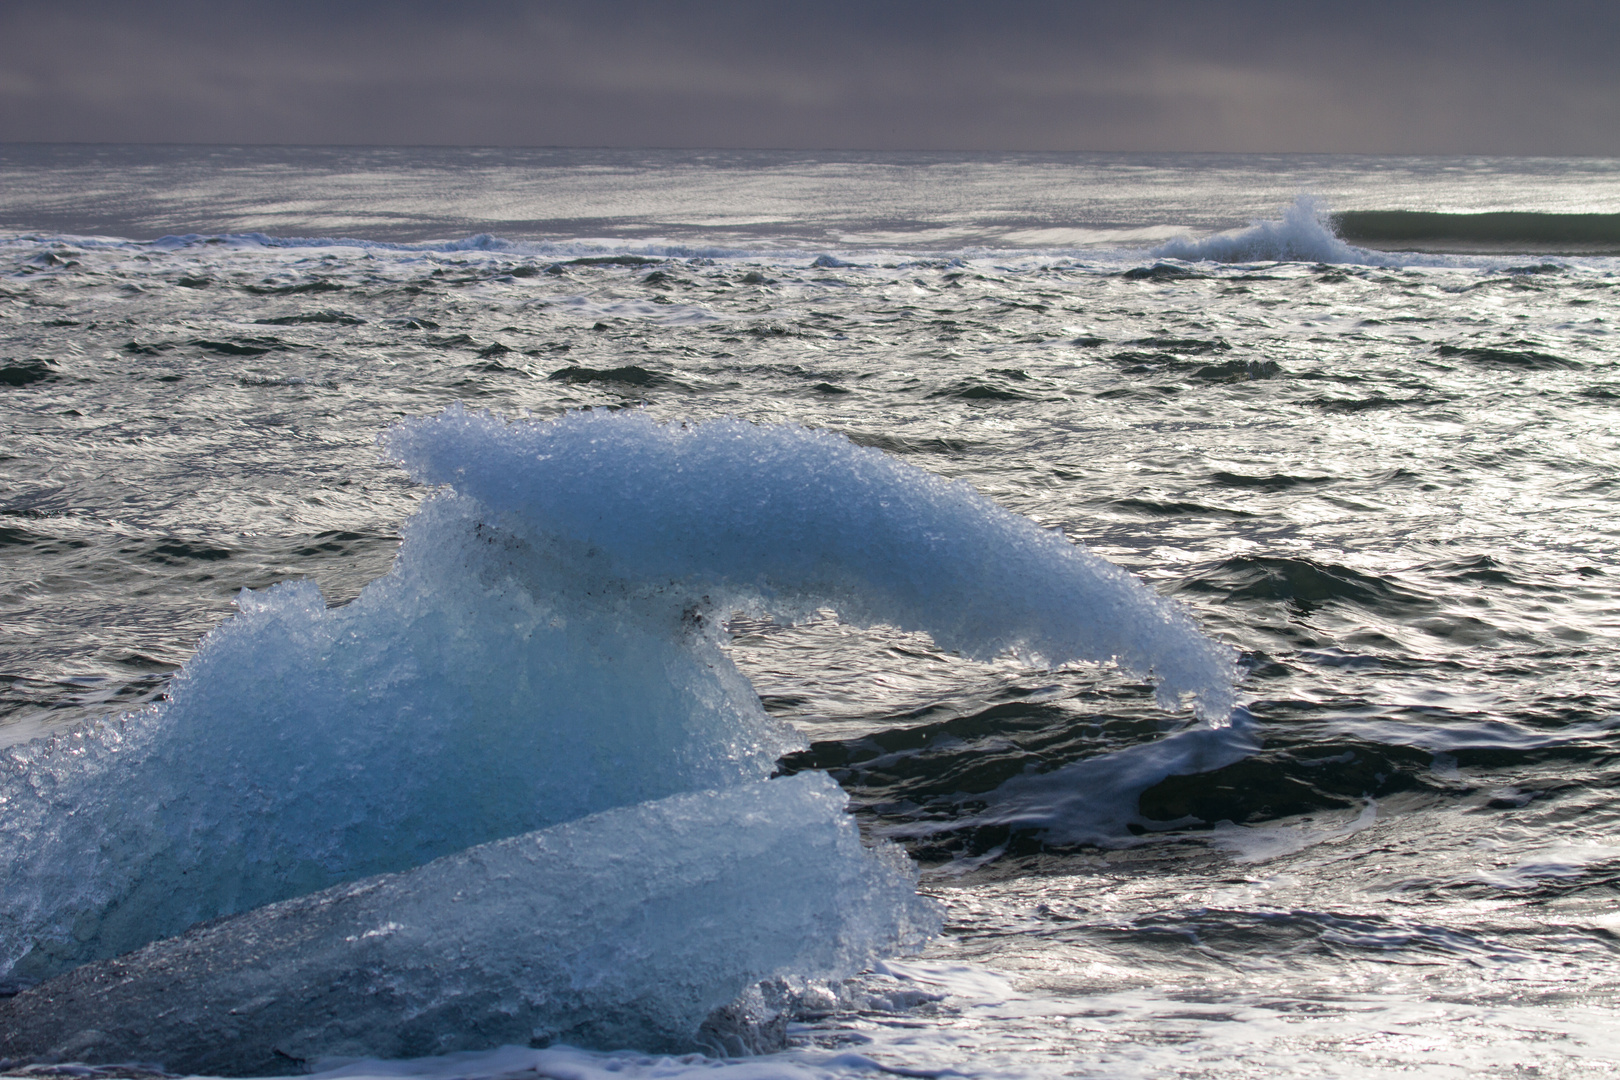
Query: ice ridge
[794,519]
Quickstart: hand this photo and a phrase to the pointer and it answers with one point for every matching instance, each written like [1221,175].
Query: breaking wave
[1308,232]
[1304,234]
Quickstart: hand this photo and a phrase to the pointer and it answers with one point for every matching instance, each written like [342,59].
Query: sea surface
[1353,417]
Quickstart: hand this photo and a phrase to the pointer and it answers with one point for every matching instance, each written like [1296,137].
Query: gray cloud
[1434,77]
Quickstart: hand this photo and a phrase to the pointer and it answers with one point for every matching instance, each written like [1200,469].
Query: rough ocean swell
[800,562]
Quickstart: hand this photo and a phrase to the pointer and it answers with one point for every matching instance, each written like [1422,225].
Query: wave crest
[1304,234]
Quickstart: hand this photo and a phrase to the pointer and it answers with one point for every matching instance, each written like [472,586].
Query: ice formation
[449,705]
[546,646]
[625,928]
[791,519]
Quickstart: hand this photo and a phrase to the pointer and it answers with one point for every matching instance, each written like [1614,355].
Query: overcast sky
[1436,77]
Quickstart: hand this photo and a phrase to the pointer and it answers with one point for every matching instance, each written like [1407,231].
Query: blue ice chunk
[449,705]
[793,519]
[626,928]
[546,646]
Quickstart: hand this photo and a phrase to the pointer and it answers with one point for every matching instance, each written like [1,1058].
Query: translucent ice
[545,647]
[304,746]
[793,519]
[626,928]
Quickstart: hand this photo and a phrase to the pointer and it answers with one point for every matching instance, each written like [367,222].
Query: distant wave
[1305,234]
[1309,232]
[1505,232]
[1306,231]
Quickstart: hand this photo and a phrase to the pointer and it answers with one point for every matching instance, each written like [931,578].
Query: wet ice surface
[545,646]
[625,928]
[1387,485]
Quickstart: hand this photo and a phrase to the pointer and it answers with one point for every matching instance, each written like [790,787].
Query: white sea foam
[1553,863]
[1304,234]
[1262,843]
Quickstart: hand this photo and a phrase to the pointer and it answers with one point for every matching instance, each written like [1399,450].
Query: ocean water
[1196,573]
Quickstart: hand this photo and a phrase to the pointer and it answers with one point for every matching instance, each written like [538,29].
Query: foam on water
[1304,234]
[546,646]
